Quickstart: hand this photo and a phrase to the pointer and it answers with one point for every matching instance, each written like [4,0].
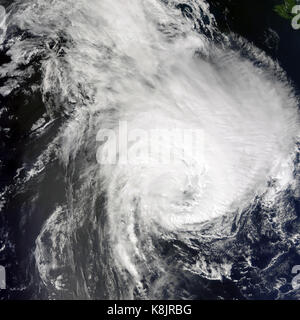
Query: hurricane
[216,221]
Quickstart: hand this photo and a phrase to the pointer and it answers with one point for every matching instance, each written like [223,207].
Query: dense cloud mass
[150,229]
